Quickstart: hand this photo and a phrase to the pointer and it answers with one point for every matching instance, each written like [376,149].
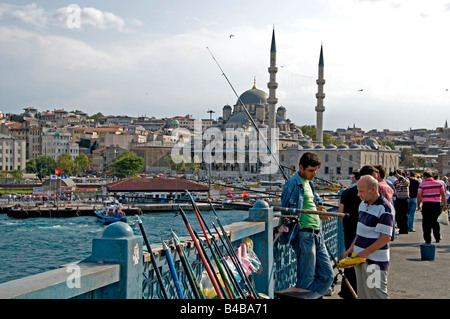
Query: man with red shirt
[430,194]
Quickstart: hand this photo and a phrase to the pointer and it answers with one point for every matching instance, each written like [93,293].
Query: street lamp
[209,175]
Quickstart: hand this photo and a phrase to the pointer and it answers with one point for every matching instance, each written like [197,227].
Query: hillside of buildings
[101,138]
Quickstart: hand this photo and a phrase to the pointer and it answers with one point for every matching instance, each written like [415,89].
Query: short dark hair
[427,174]
[367,170]
[381,171]
[310,159]
[356,173]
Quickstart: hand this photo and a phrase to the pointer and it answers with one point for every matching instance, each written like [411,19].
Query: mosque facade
[338,162]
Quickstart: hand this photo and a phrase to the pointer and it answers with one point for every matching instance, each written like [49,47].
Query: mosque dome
[175,122]
[238,118]
[253,96]
[372,143]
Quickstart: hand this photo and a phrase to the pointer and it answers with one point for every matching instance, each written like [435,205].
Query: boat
[111,214]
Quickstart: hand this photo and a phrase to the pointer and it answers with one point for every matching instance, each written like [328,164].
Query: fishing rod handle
[308,211]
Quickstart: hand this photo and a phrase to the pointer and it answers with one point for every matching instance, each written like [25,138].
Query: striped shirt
[373,221]
[402,187]
[431,190]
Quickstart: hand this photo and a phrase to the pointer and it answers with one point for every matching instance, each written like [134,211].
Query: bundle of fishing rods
[226,283]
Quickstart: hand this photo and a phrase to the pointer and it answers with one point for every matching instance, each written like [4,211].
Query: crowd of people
[378,209]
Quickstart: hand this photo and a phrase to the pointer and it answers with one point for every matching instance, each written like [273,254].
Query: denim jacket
[292,197]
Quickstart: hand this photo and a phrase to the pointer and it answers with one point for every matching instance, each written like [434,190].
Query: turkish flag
[57,172]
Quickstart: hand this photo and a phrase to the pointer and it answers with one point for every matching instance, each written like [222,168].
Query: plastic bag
[443,218]
[351,261]
[248,257]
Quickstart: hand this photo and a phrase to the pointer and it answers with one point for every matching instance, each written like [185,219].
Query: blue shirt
[293,196]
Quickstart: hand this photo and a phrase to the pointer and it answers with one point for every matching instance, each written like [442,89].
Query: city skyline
[384,61]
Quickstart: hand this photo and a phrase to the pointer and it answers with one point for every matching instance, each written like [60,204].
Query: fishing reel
[289,219]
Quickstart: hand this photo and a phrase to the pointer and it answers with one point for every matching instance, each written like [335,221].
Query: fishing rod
[152,258]
[227,267]
[308,211]
[202,223]
[344,278]
[232,254]
[210,273]
[250,117]
[173,272]
[192,278]
[236,262]
[241,188]
[219,283]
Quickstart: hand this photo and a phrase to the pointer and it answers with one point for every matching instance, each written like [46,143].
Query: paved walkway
[410,277]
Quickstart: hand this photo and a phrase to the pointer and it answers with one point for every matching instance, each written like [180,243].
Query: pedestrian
[372,241]
[412,200]
[349,204]
[401,202]
[429,197]
[314,269]
[385,189]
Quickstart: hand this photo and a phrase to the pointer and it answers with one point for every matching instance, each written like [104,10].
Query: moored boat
[111,214]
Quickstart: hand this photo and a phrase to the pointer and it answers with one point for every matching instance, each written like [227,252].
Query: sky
[386,62]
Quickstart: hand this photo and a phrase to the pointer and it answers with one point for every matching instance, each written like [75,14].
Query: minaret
[272,85]
[320,96]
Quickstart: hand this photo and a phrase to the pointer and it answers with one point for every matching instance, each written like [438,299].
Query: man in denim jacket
[314,269]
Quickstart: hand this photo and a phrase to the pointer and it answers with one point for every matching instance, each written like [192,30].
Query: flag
[57,172]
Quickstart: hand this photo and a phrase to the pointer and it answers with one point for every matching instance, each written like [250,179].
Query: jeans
[412,205]
[314,269]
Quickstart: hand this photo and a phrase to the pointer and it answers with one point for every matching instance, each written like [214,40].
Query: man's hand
[323,217]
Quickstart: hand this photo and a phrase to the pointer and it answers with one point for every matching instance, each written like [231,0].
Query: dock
[21,210]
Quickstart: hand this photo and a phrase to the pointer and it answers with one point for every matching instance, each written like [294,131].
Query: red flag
[57,172]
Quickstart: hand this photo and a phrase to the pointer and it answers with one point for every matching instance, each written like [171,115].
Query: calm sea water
[34,245]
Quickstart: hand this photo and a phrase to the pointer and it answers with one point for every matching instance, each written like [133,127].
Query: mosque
[291,143]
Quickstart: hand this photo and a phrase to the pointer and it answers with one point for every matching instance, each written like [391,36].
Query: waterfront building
[338,162]
[12,153]
[56,142]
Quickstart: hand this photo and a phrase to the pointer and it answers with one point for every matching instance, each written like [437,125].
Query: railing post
[263,247]
[119,245]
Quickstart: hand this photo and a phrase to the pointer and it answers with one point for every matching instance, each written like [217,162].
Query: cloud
[29,14]
[35,16]
[92,17]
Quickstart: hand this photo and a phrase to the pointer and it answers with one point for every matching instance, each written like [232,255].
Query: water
[35,245]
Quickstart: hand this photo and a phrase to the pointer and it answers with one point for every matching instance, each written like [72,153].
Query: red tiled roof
[138,184]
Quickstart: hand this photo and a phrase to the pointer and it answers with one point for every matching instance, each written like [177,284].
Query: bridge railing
[120,268]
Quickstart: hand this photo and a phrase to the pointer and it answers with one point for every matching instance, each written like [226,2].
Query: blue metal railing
[119,267]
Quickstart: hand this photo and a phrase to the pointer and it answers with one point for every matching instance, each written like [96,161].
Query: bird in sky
[231,35]
[360,90]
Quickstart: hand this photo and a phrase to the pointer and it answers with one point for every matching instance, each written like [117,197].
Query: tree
[96,116]
[176,162]
[42,166]
[407,159]
[127,164]
[82,162]
[310,130]
[65,164]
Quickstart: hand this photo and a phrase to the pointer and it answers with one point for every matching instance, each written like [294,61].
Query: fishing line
[250,117]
